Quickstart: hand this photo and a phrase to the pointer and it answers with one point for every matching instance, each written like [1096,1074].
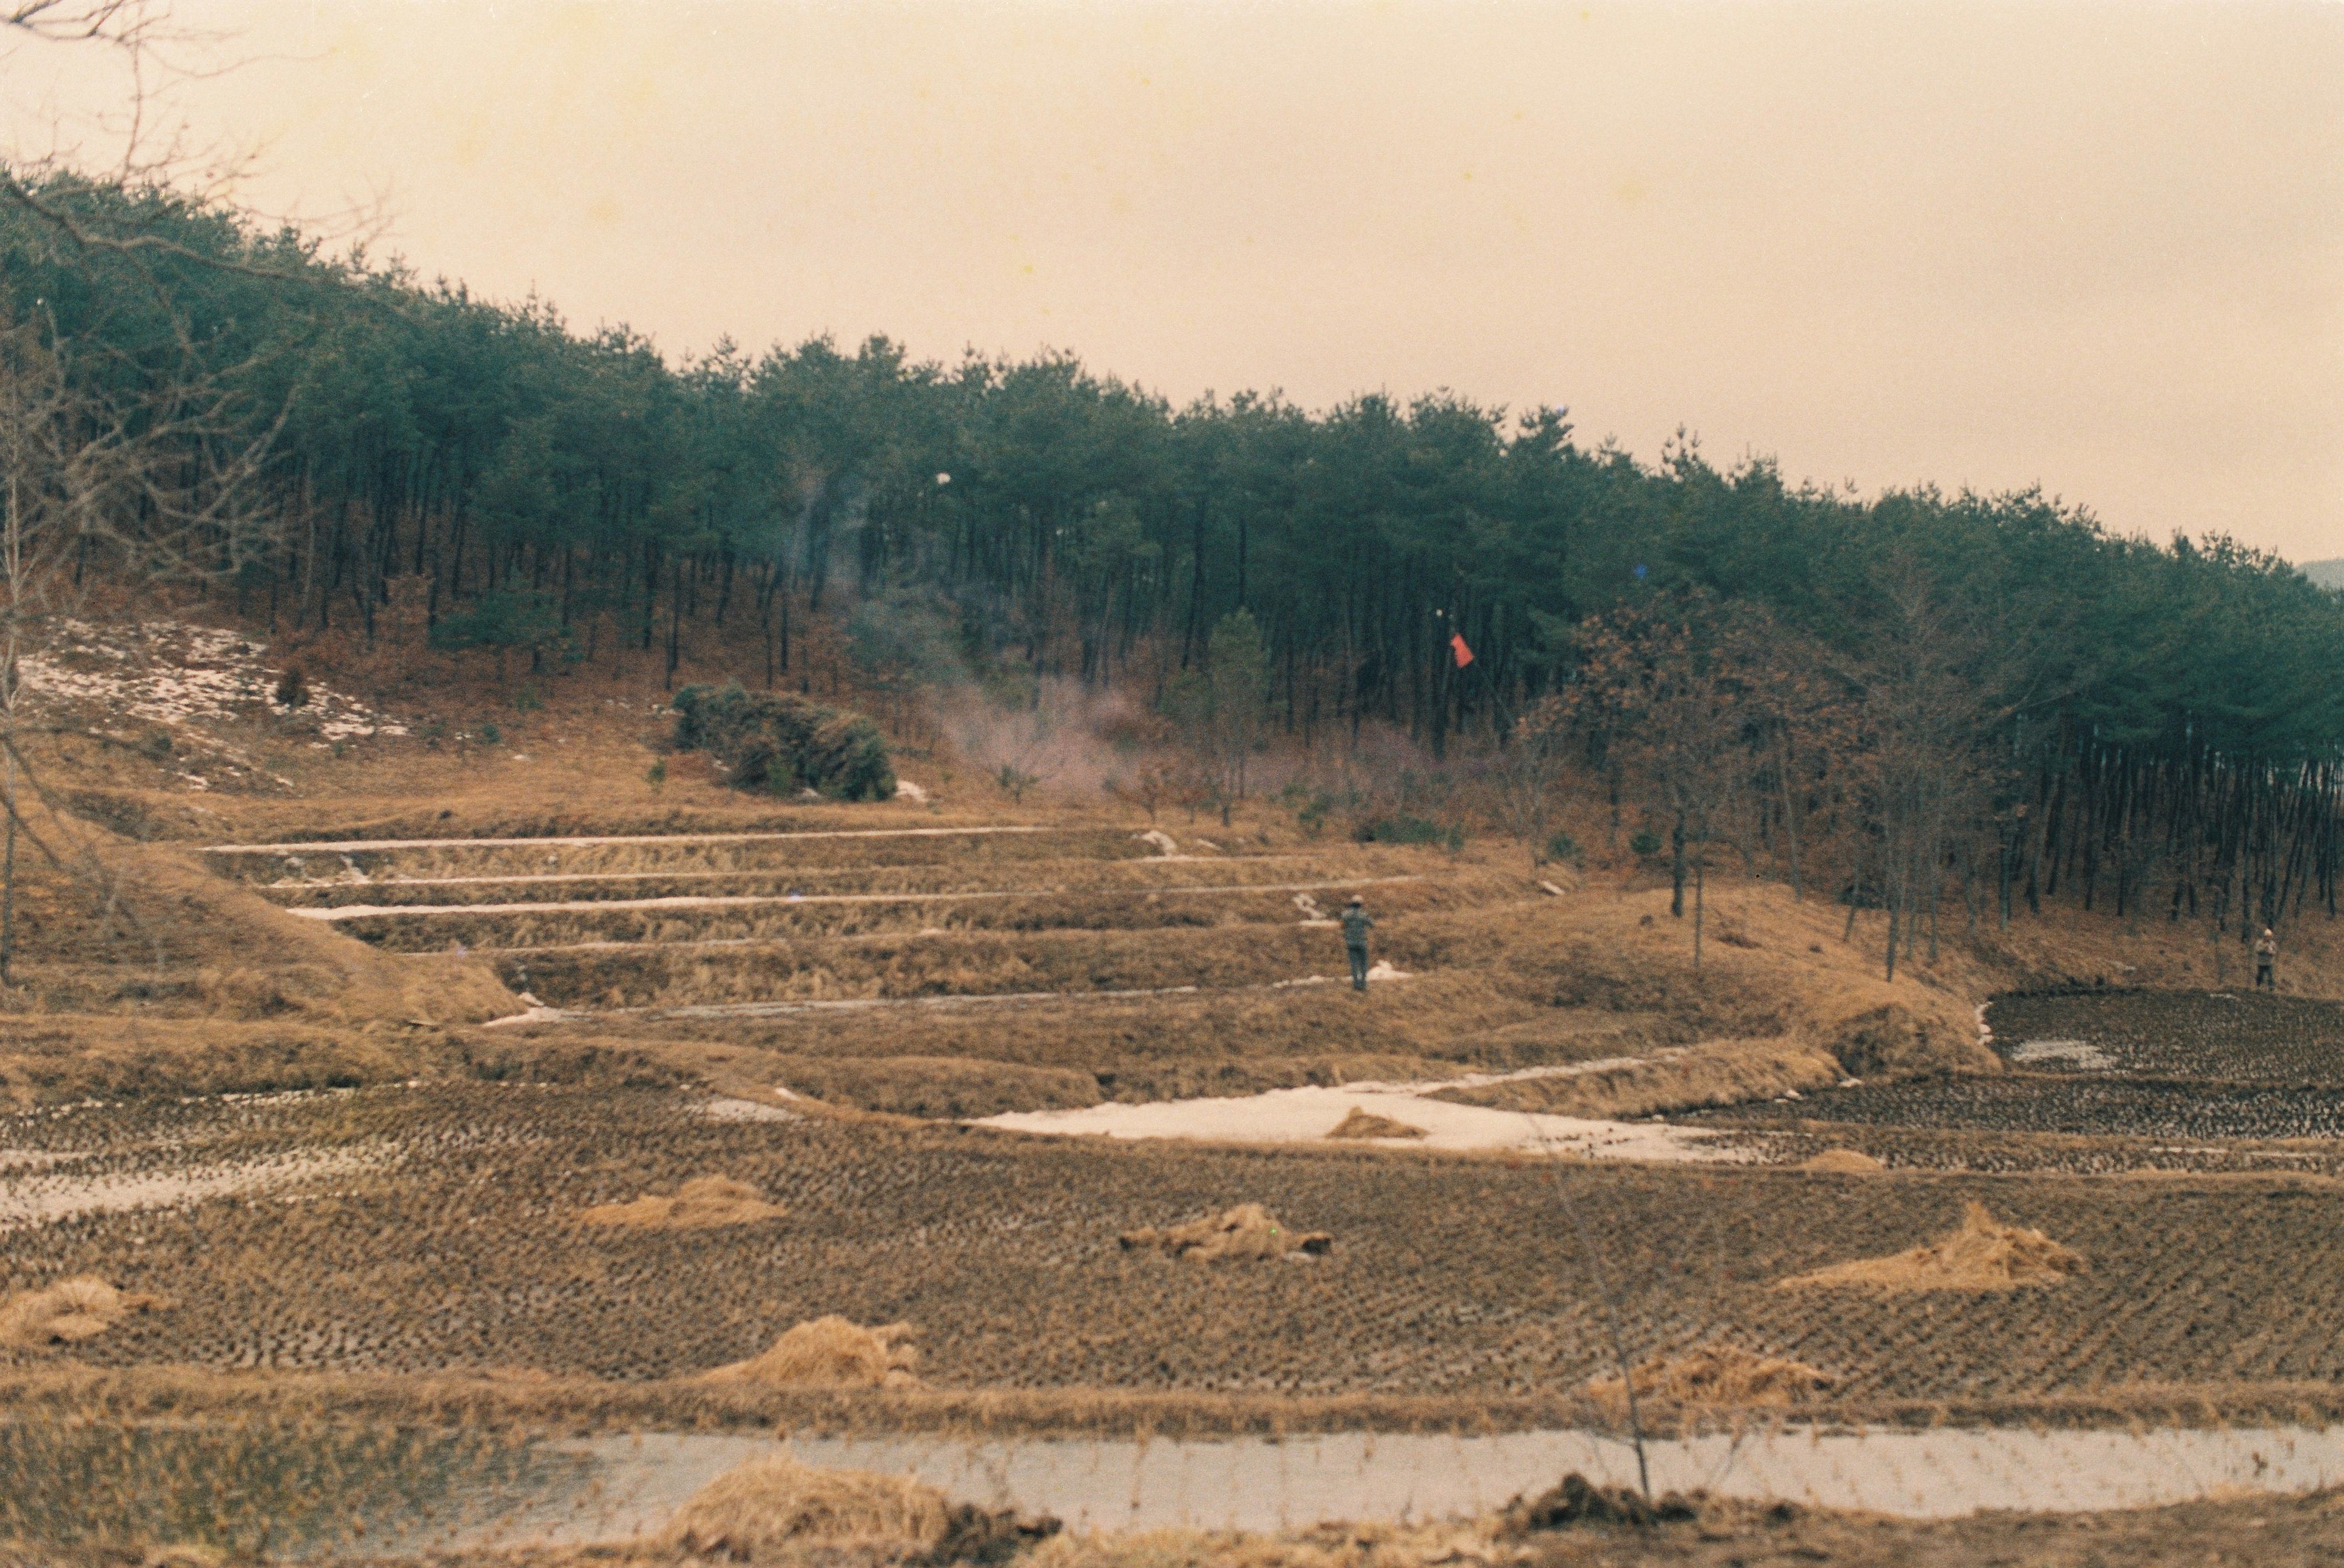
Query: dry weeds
[1985,1254]
[769,1506]
[1717,1374]
[1248,1231]
[1719,1073]
[1843,1162]
[68,1313]
[706,1202]
[1364,1124]
[831,1352]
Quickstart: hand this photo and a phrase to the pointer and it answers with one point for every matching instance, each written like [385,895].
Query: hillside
[2326,573]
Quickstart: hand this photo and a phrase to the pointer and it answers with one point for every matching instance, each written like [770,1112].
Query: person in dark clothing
[1355,940]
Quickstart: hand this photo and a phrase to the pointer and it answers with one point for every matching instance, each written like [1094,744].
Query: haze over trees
[1929,697]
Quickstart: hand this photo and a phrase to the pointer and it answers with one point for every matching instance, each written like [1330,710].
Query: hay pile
[1366,1124]
[703,1203]
[831,1352]
[1717,1375]
[1246,1232]
[1843,1162]
[66,1312]
[772,1508]
[1985,1254]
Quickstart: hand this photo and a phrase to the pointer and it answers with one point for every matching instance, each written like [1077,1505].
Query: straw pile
[1843,1162]
[703,1203]
[1359,1123]
[770,1509]
[1246,1232]
[66,1312]
[831,1352]
[1985,1254]
[1717,1375]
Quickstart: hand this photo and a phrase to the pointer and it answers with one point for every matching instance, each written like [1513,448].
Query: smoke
[1064,739]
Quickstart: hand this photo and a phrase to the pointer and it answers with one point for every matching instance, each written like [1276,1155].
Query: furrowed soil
[328,1071]
[448,1236]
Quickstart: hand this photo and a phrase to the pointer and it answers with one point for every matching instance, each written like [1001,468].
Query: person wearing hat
[1355,939]
[2266,960]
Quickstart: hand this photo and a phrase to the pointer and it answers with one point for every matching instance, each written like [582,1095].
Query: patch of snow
[1159,840]
[726,1108]
[26,1201]
[906,790]
[2078,1054]
[1308,1115]
[354,846]
[171,672]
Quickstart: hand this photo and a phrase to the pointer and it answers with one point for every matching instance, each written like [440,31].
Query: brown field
[344,1195]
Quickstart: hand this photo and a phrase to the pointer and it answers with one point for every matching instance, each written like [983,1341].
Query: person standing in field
[1355,939]
[2267,961]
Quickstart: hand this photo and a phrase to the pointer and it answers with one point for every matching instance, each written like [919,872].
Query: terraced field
[639,921]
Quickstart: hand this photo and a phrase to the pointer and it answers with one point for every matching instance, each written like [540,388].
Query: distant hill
[2327,574]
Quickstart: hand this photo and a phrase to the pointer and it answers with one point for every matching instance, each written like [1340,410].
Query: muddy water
[637,1483]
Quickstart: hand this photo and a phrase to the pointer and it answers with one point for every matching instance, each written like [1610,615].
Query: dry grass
[1717,1375]
[1719,1073]
[1843,1162]
[831,1352]
[1247,1232]
[703,1203]
[1985,1254]
[1362,1124]
[771,1506]
[68,1313]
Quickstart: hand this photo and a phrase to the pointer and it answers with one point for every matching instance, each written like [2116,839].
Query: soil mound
[703,1203]
[1985,1254]
[1843,1162]
[1366,1124]
[831,1352]
[770,1509]
[1246,1232]
[66,1312]
[1718,1375]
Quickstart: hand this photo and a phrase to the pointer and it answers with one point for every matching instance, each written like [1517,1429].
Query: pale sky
[2099,247]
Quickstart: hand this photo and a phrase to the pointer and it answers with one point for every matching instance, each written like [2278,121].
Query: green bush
[1563,849]
[1407,830]
[781,742]
[1646,843]
[505,620]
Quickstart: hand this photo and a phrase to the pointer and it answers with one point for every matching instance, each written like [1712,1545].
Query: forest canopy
[1037,515]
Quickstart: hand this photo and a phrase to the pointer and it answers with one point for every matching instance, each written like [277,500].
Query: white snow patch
[36,1199]
[170,672]
[906,790]
[1162,843]
[725,1108]
[726,900]
[2080,1054]
[1308,1115]
[354,846]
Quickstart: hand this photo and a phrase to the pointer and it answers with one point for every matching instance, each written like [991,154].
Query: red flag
[1457,646]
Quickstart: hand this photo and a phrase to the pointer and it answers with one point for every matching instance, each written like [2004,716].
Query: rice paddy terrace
[860,1023]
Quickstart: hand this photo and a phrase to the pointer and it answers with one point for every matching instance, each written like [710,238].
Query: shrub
[1407,830]
[490,734]
[1646,843]
[293,688]
[505,620]
[781,743]
[1562,848]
